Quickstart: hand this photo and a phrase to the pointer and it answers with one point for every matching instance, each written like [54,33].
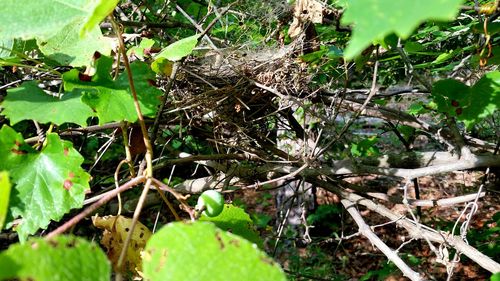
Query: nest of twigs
[230,97]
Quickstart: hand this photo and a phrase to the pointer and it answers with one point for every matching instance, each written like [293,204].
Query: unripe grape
[211,202]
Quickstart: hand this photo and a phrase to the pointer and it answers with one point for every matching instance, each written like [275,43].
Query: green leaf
[23,19]
[366,147]
[6,46]
[57,24]
[375,19]
[334,52]
[5,187]
[47,184]
[493,60]
[68,48]
[413,47]
[138,51]
[28,102]
[323,214]
[236,221]
[60,259]
[468,104]
[443,57]
[416,108]
[112,100]
[495,277]
[201,251]
[179,49]
[102,9]
[406,131]
[493,28]
[450,95]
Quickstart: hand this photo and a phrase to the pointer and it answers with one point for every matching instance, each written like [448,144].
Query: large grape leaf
[60,259]
[42,19]
[375,19]
[112,100]
[47,183]
[201,251]
[236,221]
[5,187]
[468,104]
[57,26]
[28,102]
[67,47]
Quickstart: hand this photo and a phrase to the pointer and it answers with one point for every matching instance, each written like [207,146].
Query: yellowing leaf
[115,233]
[162,66]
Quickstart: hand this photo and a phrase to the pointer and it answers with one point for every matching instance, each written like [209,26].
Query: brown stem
[144,130]
[73,221]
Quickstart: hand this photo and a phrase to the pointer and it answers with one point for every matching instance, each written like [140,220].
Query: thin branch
[89,210]
[348,167]
[414,230]
[285,177]
[163,101]
[147,143]
[197,26]
[373,92]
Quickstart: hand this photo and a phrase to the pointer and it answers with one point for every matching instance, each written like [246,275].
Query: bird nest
[233,96]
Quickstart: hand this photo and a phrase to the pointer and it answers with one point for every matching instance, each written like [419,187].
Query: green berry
[211,202]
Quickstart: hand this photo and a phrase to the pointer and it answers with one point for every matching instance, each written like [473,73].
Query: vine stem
[147,144]
[142,124]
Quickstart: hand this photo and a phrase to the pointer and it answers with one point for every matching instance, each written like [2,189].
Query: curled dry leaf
[115,233]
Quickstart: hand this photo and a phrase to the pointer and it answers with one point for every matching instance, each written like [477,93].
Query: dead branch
[366,231]
[415,230]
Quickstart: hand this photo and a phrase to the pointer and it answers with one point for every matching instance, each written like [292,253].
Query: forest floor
[355,258]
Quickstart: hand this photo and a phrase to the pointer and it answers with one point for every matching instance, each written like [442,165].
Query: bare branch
[414,230]
[368,233]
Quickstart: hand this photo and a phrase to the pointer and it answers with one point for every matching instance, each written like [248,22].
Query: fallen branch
[347,167]
[413,229]
[366,231]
